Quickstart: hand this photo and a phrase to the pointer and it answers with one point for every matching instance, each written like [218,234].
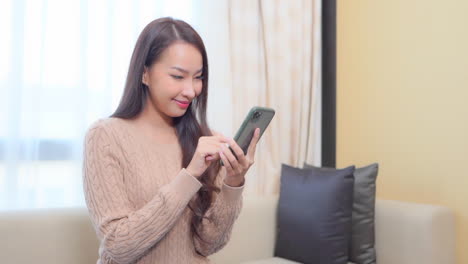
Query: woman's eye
[177,77]
[199,77]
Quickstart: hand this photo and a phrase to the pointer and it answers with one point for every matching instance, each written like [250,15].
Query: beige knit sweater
[137,194]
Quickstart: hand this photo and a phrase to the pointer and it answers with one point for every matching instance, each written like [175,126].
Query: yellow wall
[402,99]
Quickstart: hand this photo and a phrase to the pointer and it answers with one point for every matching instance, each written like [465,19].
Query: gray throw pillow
[314,215]
[362,245]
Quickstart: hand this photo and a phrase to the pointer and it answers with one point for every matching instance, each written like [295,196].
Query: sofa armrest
[408,233]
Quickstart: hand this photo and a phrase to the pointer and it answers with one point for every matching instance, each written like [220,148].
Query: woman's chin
[178,112]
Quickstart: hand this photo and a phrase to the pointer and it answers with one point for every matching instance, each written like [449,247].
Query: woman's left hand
[237,168]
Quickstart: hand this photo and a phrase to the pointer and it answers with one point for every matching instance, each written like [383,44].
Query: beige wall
[403,99]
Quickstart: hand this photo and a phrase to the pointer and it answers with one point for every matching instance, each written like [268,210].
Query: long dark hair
[153,40]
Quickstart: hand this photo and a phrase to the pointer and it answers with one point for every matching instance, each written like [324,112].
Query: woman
[153,182]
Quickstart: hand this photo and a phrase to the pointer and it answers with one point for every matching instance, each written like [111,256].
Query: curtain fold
[276,62]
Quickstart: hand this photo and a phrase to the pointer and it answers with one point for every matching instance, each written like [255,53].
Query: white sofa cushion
[408,233]
[49,236]
[253,235]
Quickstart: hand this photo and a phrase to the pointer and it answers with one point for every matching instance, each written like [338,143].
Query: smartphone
[258,117]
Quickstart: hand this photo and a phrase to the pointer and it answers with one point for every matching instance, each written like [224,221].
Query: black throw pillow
[362,244]
[314,215]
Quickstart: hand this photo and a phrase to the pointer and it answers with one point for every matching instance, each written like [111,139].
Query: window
[63,66]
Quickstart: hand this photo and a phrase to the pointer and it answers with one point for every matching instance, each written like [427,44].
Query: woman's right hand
[207,151]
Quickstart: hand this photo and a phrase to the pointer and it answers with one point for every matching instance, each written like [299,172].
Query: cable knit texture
[137,195]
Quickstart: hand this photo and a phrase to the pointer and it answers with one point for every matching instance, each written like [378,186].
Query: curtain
[63,66]
[275,49]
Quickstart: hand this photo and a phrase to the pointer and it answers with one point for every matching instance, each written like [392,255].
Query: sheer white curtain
[276,62]
[62,66]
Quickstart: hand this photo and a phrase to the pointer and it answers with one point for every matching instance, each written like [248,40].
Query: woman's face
[175,79]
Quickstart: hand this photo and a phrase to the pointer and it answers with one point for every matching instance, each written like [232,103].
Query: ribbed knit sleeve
[217,229]
[125,233]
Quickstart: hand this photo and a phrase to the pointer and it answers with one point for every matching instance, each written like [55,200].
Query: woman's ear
[144,78]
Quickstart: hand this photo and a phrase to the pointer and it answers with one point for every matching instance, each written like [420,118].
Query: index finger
[216,133]
[220,136]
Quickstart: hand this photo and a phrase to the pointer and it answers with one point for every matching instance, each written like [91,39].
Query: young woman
[153,182]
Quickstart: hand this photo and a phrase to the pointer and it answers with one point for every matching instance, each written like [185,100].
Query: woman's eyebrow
[184,70]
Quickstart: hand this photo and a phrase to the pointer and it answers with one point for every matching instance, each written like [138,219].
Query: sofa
[406,233]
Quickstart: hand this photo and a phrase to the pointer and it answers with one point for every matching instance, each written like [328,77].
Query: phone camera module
[256,115]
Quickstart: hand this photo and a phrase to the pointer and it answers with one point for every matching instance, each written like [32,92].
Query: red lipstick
[182,104]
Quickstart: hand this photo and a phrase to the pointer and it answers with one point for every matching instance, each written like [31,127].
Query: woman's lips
[182,104]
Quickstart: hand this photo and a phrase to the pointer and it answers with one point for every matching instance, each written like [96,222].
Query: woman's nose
[189,90]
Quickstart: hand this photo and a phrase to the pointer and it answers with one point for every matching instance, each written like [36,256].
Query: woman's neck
[154,118]
[157,126]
